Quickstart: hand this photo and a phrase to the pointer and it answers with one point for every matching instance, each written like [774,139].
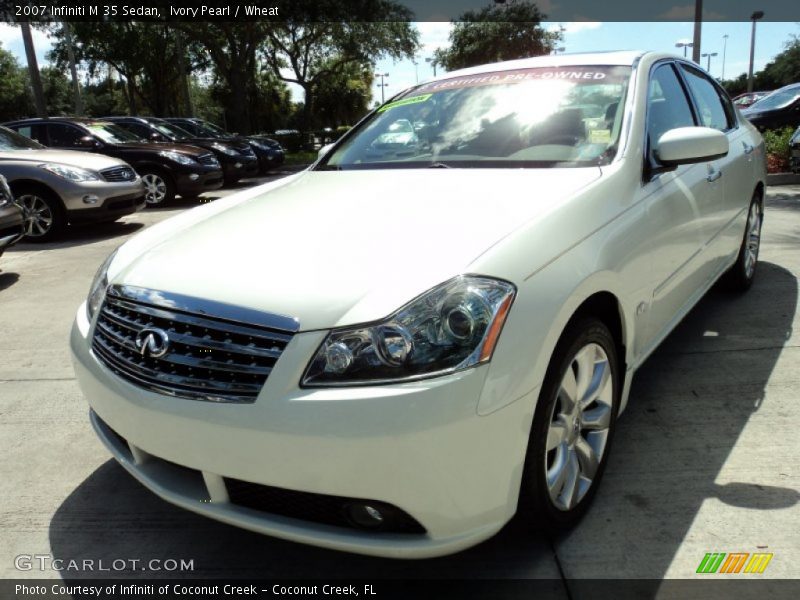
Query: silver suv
[59,187]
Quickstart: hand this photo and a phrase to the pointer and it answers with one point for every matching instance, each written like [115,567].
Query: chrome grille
[117,174]
[213,351]
[208,159]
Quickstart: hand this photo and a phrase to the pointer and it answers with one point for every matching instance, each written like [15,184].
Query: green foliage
[782,70]
[15,98]
[777,141]
[497,33]
[57,92]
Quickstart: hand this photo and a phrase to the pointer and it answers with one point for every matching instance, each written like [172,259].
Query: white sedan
[398,349]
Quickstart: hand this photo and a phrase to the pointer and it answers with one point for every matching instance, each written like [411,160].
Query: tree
[496,33]
[782,70]
[15,98]
[232,49]
[319,41]
[344,99]
[58,95]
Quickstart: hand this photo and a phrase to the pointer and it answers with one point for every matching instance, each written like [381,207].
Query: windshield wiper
[439,165]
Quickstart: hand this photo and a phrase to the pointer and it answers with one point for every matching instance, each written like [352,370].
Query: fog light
[90,199]
[238,165]
[194,176]
[364,515]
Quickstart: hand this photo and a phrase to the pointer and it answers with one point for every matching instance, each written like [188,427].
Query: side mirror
[324,150]
[156,137]
[688,145]
[88,141]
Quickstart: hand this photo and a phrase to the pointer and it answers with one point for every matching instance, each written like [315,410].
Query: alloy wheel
[37,214]
[753,241]
[579,427]
[155,188]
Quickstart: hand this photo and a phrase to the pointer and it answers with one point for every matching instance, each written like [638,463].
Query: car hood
[161,147]
[73,158]
[338,248]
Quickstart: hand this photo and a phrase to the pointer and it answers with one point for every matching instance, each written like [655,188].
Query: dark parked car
[778,110]
[794,148]
[236,164]
[11,220]
[269,152]
[749,98]
[166,169]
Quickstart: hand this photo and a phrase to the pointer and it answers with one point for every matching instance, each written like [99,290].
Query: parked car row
[134,161]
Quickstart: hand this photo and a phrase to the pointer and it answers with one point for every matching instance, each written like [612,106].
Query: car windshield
[171,131]
[216,130]
[112,134]
[539,117]
[11,140]
[779,99]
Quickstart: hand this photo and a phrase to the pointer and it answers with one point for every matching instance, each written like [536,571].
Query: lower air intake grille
[189,347]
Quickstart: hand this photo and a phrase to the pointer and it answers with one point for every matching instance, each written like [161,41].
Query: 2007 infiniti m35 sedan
[422,335]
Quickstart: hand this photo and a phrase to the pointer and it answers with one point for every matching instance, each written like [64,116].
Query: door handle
[747,148]
[713,175]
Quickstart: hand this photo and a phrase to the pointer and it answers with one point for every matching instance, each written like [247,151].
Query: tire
[563,439]
[741,275]
[45,217]
[159,187]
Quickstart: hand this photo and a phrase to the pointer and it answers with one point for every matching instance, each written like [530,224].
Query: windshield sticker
[597,75]
[599,136]
[404,101]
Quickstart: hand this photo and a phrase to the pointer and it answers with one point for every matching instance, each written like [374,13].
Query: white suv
[398,349]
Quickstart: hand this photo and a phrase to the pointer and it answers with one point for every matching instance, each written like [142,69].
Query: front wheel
[572,428]
[159,188]
[43,213]
[741,275]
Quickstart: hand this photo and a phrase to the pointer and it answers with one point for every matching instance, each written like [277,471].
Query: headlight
[177,157]
[224,149]
[72,173]
[98,290]
[449,328]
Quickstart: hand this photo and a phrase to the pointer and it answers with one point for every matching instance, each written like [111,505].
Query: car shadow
[689,404]
[7,280]
[78,235]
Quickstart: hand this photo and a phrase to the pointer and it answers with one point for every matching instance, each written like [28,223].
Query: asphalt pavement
[705,458]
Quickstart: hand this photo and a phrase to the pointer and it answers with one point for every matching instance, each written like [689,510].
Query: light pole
[708,64]
[724,51]
[684,44]
[382,85]
[432,61]
[759,14]
[416,70]
[698,25]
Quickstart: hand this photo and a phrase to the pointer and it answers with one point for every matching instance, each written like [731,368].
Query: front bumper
[87,197]
[108,210]
[195,183]
[239,168]
[420,447]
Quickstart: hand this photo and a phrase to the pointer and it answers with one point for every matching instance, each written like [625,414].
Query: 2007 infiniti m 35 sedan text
[434,327]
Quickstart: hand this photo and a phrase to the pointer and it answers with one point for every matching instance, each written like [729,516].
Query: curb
[783,178]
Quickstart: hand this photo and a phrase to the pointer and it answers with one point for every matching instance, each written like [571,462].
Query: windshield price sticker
[404,102]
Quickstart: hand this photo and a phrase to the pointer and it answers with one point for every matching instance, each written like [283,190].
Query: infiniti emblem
[152,342]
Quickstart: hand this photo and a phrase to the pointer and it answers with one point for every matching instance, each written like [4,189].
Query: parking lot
[705,458]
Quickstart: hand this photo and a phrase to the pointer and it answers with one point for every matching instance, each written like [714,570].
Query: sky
[582,36]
